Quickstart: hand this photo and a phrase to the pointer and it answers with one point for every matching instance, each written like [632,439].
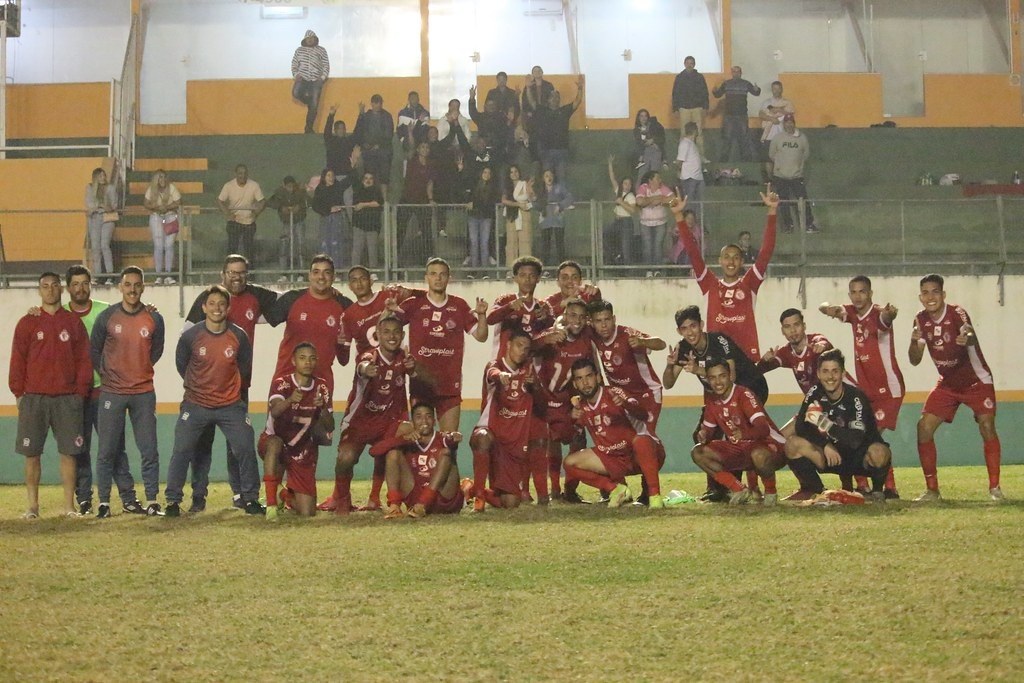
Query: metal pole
[3,85]
[1002,249]
[596,241]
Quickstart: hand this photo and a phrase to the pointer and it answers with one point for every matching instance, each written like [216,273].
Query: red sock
[890,479]
[270,484]
[993,454]
[752,480]
[769,484]
[645,452]
[926,453]
[862,482]
[427,497]
[539,470]
[394,497]
[377,482]
[555,470]
[492,498]
[598,481]
[343,491]
[481,470]
[727,480]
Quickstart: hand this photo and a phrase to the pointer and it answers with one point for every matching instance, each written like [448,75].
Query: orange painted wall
[58,110]
[968,100]
[847,100]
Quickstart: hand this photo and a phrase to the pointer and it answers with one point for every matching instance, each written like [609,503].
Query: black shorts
[852,462]
[38,414]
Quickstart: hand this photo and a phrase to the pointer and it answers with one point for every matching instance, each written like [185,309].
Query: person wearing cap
[310,69]
[789,150]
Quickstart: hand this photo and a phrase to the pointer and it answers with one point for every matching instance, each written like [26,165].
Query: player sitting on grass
[836,432]
[623,442]
[750,440]
[299,419]
[420,469]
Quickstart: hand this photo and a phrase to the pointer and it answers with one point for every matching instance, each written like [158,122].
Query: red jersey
[960,367]
[293,426]
[308,319]
[804,364]
[437,340]
[507,410]
[553,366]
[216,367]
[125,347]
[740,410]
[878,373]
[360,321]
[50,355]
[556,302]
[382,399]
[246,309]
[422,459]
[731,305]
[613,427]
[503,319]
[625,367]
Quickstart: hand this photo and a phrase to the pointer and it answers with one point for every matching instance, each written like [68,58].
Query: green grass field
[894,592]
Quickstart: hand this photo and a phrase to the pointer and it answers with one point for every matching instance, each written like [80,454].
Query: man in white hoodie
[788,152]
[310,69]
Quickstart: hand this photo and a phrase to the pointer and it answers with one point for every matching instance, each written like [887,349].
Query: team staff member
[127,341]
[50,376]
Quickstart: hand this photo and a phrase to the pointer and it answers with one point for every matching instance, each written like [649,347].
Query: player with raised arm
[421,471]
[749,439]
[377,403]
[298,416]
[731,297]
[500,438]
[624,443]
[964,379]
[571,286]
[878,373]
[836,432]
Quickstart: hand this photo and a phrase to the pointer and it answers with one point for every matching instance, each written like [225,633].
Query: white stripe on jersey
[979,368]
[885,350]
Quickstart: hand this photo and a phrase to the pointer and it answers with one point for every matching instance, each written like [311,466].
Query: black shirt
[854,427]
[720,346]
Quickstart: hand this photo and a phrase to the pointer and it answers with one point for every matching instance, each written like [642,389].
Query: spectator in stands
[789,150]
[493,126]
[483,198]
[163,200]
[649,136]
[618,233]
[653,197]
[518,198]
[536,95]
[554,200]
[690,100]
[374,130]
[772,111]
[241,200]
[310,69]
[734,121]
[691,169]
[748,250]
[367,211]
[101,203]
[551,131]
[413,121]
[338,144]
[453,117]
[290,202]
[329,202]
[476,154]
[679,255]
[505,98]
[418,203]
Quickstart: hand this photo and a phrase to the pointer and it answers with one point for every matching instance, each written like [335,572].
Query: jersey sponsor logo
[436,316]
[64,336]
[25,443]
[184,416]
[426,323]
[427,352]
[621,445]
[229,352]
[303,316]
[939,363]
[726,319]
[117,329]
[377,407]
[616,360]
[40,335]
[202,350]
[449,324]
[512,414]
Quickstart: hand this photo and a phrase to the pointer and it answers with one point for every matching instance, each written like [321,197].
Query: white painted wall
[652,313]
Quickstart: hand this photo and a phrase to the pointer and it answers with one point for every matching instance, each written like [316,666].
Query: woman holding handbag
[163,201]
[101,203]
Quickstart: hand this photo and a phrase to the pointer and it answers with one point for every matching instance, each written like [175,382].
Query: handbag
[111,216]
[171,225]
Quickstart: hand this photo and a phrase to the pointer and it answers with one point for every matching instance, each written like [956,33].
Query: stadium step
[138,188]
[169,165]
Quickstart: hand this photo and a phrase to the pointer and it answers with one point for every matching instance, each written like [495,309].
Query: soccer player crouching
[420,469]
[751,440]
[836,432]
[299,419]
[623,442]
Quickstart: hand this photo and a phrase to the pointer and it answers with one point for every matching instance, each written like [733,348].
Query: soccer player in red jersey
[421,471]
[50,376]
[500,438]
[731,298]
[377,402]
[570,286]
[623,442]
[555,351]
[964,379]
[749,441]
[519,310]
[298,417]
[878,373]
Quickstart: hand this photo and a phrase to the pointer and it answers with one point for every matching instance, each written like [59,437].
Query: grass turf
[893,592]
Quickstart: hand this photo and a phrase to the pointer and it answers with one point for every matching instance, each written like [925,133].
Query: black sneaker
[714,496]
[237,502]
[153,510]
[573,498]
[135,508]
[253,507]
[891,494]
[813,229]
[198,505]
[103,511]
[85,507]
[643,499]
[172,510]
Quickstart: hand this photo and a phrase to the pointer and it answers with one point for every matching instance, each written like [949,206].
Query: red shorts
[538,428]
[942,402]
[299,465]
[620,463]
[440,506]
[369,429]
[887,409]
[652,405]
[736,456]
[422,393]
[510,466]
[561,428]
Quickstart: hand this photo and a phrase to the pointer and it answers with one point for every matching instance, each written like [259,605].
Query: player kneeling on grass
[420,467]
[751,440]
[623,442]
[299,419]
[836,432]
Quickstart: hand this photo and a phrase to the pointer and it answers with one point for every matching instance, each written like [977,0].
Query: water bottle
[1016,178]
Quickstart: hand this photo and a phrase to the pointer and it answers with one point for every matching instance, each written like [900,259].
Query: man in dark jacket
[690,99]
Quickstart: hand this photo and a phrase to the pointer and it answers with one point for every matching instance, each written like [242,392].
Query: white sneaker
[283,280]
[442,233]
[493,260]
[650,274]
[929,496]
[996,493]
[466,261]
[158,281]
[170,281]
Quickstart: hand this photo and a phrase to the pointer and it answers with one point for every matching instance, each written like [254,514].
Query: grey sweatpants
[141,408]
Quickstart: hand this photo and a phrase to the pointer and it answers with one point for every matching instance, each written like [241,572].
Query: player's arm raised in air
[672,368]
[916,350]
[764,255]
[689,241]
[888,314]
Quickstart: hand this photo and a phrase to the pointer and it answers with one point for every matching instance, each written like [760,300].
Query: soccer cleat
[801,495]
[417,511]
[656,502]
[741,497]
[85,507]
[198,505]
[929,496]
[73,514]
[285,499]
[876,497]
[770,500]
[573,498]
[813,229]
[642,499]
[756,496]
[30,514]
[891,494]
[253,507]
[479,505]
[271,513]
[153,510]
[328,505]
[134,508]
[714,496]
[393,511]
[237,502]
[173,510]
[466,485]
[103,511]
[619,496]
[996,493]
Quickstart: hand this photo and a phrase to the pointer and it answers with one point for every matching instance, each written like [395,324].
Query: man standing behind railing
[242,201]
[290,202]
[789,150]
[310,69]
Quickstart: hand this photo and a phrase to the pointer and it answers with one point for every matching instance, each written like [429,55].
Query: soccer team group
[562,369]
